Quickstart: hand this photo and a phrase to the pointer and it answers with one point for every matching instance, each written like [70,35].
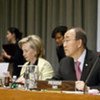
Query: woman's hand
[21,80]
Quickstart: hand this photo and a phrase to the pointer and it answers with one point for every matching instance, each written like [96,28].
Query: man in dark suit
[76,50]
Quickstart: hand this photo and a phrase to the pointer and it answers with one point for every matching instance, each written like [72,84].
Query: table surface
[13,94]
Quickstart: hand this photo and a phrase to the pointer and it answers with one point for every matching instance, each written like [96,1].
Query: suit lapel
[87,65]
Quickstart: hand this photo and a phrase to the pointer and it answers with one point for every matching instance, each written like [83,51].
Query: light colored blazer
[44,69]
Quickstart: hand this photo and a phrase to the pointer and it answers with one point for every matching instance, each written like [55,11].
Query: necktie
[77,69]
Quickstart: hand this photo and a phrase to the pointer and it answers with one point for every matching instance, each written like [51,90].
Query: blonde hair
[35,43]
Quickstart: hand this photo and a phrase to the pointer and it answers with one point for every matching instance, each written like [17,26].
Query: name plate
[56,85]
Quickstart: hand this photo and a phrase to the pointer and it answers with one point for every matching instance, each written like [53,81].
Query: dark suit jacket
[67,71]
[60,52]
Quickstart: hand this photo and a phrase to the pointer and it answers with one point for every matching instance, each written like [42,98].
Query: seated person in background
[58,35]
[33,51]
[13,36]
[88,72]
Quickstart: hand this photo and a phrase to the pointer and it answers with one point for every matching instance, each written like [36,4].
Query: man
[75,46]
[58,35]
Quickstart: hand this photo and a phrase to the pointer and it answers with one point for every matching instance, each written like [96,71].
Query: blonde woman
[33,51]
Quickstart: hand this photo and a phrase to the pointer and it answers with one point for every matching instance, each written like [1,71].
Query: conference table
[15,94]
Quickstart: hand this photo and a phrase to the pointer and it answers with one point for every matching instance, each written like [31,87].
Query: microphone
[90,73]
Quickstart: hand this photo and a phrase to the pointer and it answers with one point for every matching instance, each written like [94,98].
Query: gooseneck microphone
[89,75]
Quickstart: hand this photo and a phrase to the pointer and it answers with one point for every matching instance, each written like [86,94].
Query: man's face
[71,45]
[59,39]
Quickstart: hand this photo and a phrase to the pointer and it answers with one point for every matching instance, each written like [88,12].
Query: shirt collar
[82,57]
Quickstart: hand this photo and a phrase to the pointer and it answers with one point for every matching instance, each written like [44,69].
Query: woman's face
[28,52]
[10,36]
[59,39]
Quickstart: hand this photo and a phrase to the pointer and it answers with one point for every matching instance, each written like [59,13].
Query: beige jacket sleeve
[45,69]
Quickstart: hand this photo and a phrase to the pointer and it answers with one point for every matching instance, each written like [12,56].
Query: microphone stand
[85,90]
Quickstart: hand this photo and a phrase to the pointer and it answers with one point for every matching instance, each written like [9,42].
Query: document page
[3,68]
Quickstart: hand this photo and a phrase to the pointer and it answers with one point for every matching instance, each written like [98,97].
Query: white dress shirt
[81,59]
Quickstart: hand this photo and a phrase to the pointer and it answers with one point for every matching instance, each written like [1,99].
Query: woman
[15,56]
[33,51]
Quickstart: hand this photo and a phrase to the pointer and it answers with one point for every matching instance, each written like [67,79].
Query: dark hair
[60,29]
[81,34]
[15,31]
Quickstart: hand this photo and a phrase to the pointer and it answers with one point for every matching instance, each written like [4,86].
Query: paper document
[3,68]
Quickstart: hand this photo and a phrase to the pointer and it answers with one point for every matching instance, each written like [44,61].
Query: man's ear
[79,43]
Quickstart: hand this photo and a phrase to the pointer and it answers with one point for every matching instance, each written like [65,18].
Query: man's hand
[80,85]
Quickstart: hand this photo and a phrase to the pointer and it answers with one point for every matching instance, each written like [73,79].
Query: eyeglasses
[67,41]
